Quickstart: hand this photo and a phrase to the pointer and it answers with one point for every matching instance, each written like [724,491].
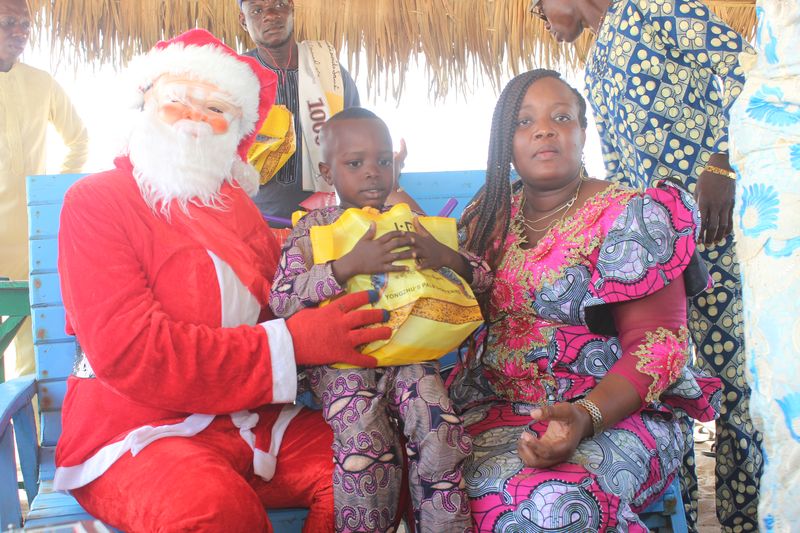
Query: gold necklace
[565,207]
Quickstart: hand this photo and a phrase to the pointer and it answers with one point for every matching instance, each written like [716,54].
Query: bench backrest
[55,350]
[431,190]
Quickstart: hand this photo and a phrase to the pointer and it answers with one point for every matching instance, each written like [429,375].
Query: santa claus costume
[178,415]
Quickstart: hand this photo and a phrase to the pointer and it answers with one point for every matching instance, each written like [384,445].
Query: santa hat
[199,55]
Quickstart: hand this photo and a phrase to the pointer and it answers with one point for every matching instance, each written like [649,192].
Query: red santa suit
[178,416]
[153,302]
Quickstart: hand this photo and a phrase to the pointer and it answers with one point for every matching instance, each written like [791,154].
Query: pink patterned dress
[539,348]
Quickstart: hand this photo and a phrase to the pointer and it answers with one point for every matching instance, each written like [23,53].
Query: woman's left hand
[430,253]
[568,425]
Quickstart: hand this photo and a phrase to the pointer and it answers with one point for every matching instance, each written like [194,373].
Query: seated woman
[572,397]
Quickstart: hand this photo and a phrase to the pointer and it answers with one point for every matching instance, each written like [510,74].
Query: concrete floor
[707,517]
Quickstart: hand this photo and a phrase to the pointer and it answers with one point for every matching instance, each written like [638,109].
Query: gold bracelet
[594,413]
[721,171]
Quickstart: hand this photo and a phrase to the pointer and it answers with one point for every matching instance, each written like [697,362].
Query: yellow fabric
[275,143]
[431,312]
[335,101]
[29,100]
[297,215]
[276,140]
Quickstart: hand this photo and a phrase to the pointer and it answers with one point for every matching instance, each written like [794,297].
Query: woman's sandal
[712,452]
[703,434]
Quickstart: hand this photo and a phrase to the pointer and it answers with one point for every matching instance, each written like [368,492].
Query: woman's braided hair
[486,219]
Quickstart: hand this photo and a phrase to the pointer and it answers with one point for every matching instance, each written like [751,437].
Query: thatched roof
[492,35]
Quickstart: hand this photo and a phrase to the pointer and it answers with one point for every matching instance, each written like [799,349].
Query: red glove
[330,334]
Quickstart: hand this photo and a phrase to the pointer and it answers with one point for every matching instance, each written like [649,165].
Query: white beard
[186,163]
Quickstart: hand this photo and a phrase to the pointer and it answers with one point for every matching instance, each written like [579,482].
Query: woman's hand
[373,256]
[430,253]
[568,425]
[398,195]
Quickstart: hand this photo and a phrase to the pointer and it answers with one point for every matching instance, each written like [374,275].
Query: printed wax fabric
[765,141]
[364,406]
[619,246]
[661,78]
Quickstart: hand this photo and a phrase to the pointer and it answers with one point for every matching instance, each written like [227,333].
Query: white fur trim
[237,304]
[207,63]
[246,176]
[265,462]
[72,477]
[284,368]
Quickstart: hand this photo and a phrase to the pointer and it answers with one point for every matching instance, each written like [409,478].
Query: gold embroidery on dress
[571,236]
[568,235]
[645,358]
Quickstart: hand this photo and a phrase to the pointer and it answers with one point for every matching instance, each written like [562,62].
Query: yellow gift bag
[274,144]
[431,312]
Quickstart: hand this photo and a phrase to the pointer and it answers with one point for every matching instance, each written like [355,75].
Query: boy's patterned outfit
[361,405]
[653,82]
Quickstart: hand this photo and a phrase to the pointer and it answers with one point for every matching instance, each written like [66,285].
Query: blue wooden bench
[55,353]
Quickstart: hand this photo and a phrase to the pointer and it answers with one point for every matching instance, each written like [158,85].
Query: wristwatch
[721,171]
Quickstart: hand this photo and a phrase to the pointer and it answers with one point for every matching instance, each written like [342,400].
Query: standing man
[661,77]
[29,100]
[312,86]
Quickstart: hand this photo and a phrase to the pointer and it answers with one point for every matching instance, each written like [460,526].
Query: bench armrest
[16,404]
[15,395]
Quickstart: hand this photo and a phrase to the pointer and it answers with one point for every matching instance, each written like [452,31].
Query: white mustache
[192,128]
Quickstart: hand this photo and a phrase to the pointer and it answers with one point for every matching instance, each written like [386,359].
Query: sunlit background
[444,135]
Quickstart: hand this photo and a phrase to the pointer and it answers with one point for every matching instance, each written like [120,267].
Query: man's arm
[708,43]
[70,126]
[351,97]
[614,169]
[715,47]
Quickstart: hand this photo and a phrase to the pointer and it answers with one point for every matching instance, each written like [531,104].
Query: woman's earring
[583,175]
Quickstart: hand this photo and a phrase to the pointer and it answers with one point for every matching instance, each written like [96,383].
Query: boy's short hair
[349,113]
[354,113]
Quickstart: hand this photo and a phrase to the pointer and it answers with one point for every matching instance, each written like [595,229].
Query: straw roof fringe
[460,40]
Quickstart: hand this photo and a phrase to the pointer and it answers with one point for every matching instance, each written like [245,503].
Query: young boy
[359,404]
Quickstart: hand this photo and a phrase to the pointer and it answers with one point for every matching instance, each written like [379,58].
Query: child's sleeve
[299,283]
[482,275]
